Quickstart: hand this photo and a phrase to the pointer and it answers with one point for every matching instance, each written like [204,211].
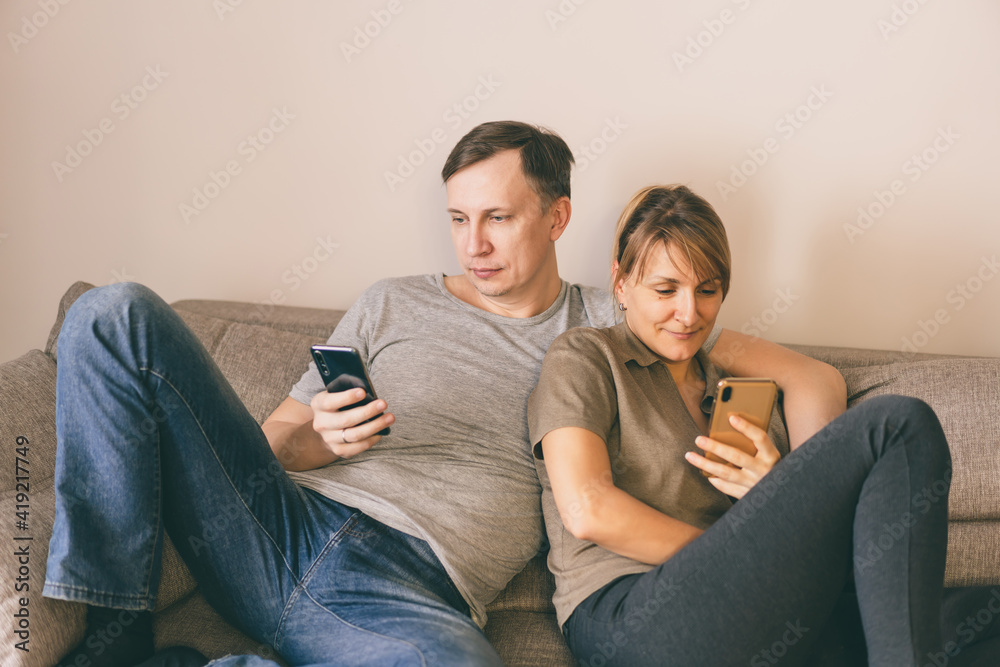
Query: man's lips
[485,273]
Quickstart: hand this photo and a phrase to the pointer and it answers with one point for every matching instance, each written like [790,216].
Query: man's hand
[743,470]
[347,433]
[305,437]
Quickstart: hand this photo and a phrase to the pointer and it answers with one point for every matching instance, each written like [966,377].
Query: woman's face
[669,308]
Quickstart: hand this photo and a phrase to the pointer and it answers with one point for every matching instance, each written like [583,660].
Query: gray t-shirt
[457,469]
[608,382]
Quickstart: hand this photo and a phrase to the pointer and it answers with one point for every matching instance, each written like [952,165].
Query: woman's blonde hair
[681,221]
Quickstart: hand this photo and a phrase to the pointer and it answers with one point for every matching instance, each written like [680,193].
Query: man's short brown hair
[546,160]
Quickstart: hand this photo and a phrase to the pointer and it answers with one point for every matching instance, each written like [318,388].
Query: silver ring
[343,436]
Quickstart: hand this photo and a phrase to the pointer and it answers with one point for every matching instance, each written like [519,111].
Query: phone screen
[341,369]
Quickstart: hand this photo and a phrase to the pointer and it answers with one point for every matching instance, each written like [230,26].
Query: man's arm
[814,392]
[304,437]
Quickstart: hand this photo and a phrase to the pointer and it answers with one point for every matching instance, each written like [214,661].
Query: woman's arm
[592,508]
[814,393]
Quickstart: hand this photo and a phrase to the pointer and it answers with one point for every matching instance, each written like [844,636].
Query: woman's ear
[617,282]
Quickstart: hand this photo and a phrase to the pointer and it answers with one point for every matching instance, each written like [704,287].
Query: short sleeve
[576,387]
[351,331]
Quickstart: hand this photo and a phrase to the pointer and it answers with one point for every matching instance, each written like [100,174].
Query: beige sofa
[263,350]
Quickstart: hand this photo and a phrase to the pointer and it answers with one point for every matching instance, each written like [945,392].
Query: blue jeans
[151,436]
[770,582]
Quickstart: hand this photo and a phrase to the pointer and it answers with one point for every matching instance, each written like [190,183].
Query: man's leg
[150,433]
[761,583]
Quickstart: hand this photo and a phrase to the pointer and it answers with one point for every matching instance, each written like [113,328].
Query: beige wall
[837,101]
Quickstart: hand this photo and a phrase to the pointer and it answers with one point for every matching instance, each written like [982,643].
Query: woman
[657,563]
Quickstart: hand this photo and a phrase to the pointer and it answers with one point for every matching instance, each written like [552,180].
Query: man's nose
[477,241]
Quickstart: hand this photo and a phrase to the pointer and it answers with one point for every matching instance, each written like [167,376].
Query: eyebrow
[488,211]
[675,281]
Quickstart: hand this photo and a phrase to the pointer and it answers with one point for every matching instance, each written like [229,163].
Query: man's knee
[108,303]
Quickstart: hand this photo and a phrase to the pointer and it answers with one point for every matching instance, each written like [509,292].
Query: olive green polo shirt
[608,382]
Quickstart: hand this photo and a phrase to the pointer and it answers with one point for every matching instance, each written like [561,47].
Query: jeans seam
[302,589]
[225,472]
[337,537]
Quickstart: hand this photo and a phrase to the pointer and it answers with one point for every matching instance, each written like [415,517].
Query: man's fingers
[326,401]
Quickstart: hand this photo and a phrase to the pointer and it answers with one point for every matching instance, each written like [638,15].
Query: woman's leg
[870,491]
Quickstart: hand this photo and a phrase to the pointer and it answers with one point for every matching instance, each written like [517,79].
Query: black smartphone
[341,369]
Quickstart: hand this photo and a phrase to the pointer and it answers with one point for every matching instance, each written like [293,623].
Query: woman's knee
[914,417]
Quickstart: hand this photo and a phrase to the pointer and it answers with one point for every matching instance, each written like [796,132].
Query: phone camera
[727,393]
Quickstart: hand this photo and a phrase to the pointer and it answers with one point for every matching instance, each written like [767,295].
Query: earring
[621,307]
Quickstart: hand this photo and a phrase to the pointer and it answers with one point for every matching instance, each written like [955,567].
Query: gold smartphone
[751,398]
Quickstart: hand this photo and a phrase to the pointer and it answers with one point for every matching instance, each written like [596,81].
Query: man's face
[503,240]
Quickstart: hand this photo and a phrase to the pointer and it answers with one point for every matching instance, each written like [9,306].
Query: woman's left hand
[745,470]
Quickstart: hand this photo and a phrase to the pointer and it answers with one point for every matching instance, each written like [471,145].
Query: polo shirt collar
[637,351]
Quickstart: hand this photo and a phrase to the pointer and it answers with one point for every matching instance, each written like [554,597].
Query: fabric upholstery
[262,350]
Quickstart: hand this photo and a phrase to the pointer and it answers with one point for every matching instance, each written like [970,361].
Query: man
[369,550]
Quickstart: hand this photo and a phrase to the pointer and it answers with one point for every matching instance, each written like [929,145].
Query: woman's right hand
[742,471]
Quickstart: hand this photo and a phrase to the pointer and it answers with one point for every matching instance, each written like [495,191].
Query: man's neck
[527,302]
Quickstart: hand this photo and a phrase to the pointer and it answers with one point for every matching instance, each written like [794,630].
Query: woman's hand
[746,470]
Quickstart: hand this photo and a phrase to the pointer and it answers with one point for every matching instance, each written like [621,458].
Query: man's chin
[487,287]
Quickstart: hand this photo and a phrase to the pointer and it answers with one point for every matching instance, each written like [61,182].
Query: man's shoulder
[400,288]
[597,303]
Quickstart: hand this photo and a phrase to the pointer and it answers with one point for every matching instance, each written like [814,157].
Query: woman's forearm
[814,392]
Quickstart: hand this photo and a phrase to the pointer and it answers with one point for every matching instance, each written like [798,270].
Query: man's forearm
[297,446]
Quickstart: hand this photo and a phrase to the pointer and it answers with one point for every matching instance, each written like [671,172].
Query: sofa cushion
[964,393]
[28,410]
[53,626]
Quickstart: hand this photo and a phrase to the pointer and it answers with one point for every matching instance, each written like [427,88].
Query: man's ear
[560,212]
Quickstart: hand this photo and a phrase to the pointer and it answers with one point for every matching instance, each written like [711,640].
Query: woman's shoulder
[586,339]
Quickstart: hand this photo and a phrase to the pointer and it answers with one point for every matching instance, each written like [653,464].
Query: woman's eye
[665,292]
[709,292]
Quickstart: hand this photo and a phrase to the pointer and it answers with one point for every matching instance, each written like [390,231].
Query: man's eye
[458,220]
[499,218]
[665,292]
[709,292]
